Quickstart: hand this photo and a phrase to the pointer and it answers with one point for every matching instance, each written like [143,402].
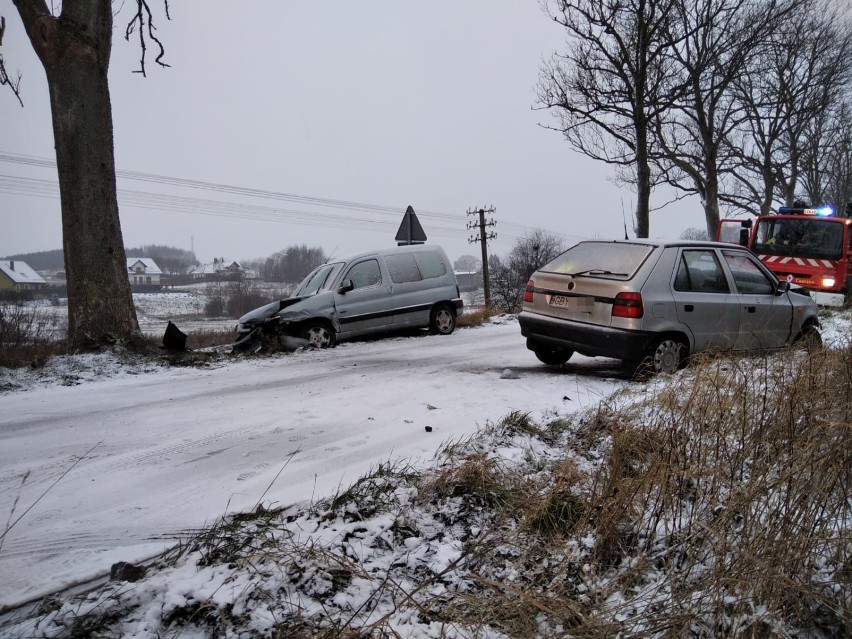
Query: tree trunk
[711,202]
[643,185]
[75,50]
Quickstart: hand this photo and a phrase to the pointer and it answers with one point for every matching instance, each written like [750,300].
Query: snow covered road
[175,449]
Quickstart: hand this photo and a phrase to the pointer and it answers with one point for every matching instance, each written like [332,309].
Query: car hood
[258,315]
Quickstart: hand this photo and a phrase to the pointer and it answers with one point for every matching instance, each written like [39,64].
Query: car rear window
[613,260]
[431,265]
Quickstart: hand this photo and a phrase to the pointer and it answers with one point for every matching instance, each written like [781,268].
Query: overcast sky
[379,104]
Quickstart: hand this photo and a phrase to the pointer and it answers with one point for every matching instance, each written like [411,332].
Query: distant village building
[469,281]
[217,270]
[54,278]
[16,275]
[143,271]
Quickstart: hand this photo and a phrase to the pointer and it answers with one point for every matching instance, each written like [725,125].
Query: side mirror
[346,287]
[744,237]
[783,287]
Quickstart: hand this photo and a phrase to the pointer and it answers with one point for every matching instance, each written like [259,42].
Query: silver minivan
[659,302]
[378,291]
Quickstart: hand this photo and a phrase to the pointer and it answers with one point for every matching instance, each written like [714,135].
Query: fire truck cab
[806,246]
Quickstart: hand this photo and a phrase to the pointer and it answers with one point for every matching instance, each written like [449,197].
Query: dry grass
[209,338]
[26,336]
[28,339]
[31,354]
[721,508]
[477,480]
[475,316]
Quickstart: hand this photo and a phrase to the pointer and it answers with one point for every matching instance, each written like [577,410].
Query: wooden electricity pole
[483,240]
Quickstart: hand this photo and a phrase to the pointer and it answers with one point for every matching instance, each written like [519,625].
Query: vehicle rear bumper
[586,339]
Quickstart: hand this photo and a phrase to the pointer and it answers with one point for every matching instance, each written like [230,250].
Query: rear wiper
[598,271]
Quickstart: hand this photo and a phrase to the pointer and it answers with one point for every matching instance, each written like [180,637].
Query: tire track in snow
[160,454]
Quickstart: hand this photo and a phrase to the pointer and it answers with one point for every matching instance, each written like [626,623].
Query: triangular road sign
[410,231]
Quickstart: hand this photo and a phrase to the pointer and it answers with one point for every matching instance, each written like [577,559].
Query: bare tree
[5,80]
[170,259]
[468,264]
[720,38]
[290,265]
[789,91]
[510,276]
[74,48]
[827,158]
[694,234]
[839,192]
[775,92]
[823,70]
[613,80]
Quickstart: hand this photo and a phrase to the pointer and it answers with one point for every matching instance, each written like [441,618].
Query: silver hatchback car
[657,302]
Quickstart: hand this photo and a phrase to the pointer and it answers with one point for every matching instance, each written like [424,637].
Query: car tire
[667,356]
[809,338]
[552,356]
[442,320]
[318,335]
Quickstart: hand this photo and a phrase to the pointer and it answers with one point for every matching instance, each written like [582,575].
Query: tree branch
[143,19]
[14,85]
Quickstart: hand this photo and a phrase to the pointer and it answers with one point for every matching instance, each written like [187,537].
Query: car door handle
[751,309]
[688,308]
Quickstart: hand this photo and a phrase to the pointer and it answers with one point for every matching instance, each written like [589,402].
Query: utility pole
[483,240]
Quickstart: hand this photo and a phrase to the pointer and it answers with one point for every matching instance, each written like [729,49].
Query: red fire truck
[809,247]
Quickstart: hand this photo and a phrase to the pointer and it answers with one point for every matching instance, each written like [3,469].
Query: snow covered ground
[152,451]
[105,460]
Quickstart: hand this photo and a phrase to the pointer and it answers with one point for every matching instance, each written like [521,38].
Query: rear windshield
[611,260]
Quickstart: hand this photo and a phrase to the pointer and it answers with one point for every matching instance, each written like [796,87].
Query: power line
[33,187]
[216,208]
[234,190]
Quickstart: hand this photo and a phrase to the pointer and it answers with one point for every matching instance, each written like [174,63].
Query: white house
[218,269]
[143,271]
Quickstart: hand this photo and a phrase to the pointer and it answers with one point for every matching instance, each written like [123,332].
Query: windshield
[814,238]
[600,259]
[320,279]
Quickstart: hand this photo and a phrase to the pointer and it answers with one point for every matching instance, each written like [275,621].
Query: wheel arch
[679,336]
[297,327]
[443,304]
[811,323]
[648,365]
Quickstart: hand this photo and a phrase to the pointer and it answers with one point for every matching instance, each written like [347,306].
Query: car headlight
[828,282]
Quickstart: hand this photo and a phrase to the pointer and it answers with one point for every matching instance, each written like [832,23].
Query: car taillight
[528,293]
[628,305]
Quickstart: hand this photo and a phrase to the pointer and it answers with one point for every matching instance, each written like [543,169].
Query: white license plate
[577,303]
